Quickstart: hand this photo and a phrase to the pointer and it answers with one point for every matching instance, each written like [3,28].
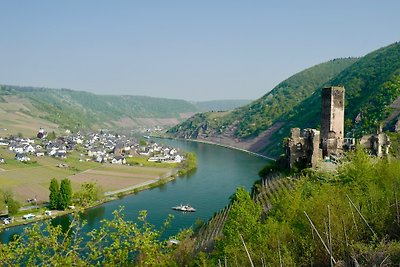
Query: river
[219,172]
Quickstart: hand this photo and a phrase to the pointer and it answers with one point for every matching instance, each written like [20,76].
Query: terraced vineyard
[272,188]
[210,232]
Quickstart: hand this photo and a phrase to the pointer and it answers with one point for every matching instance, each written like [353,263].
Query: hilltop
[372,86]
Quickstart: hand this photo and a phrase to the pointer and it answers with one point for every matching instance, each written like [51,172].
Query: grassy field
[142,161]
[15,117]
[33,179]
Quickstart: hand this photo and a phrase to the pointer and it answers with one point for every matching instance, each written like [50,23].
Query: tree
[8,199]
[13,206]
[52,136]
[65,194]
[142,142]
[89,193]
[54,194]
[117,242]
[2,204]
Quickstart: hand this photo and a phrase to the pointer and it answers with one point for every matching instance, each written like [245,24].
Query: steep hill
[372,89]
[248,126]
[76,109]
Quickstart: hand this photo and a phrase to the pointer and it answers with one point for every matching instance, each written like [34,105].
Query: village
[116,163]
[101,147]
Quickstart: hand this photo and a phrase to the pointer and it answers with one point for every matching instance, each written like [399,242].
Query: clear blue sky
[193,50]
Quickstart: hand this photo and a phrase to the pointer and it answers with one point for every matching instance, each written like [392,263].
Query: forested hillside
[77,109]
[372,86]
[249,121]
[220,105]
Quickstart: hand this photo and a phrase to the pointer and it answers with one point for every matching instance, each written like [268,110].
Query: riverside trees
[54,196]
[118,242]
[60,197]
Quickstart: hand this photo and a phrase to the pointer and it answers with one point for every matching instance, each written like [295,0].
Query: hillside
[221,105]
[372,86]
[244,126]
[70,109]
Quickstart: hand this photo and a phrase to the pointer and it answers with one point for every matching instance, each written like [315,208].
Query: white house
[22,157]
[118,160]
[29,149]
[39,154]
[178,158]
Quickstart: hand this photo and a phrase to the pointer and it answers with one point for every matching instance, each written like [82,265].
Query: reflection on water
[63,221]
[93,215]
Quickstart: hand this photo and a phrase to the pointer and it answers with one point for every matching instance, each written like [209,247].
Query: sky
[185,49]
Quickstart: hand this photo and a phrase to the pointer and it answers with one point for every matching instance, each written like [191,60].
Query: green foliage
[220,105]
[65,194]
[142,142]
[271,167]
[2,204]
[52,136]
[188,165]
[372,84]
[13,206]
[7,199]
[117,242]
[250,120]
[394,148]
[143,161]
[54,196]
[371,184]
[89,193]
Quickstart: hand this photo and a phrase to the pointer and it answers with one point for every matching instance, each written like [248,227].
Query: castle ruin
[310,146]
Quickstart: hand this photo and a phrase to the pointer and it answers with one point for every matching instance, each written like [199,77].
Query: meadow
[32,180]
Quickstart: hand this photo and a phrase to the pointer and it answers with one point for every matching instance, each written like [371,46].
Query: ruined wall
[303,148]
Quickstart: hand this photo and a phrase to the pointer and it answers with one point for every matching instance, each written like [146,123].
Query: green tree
[142,142]
[89,193]
[54,194]
[13,206]
[244,219]
[52,136]
[2,204]
[117,242]
[9,201]
[65,194]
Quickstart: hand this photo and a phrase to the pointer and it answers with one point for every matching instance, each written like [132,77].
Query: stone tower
[332,120]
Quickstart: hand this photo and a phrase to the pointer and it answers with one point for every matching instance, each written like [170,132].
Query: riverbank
[39,212]
[217,144]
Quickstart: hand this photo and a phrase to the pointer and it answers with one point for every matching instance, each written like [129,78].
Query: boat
[184,208]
